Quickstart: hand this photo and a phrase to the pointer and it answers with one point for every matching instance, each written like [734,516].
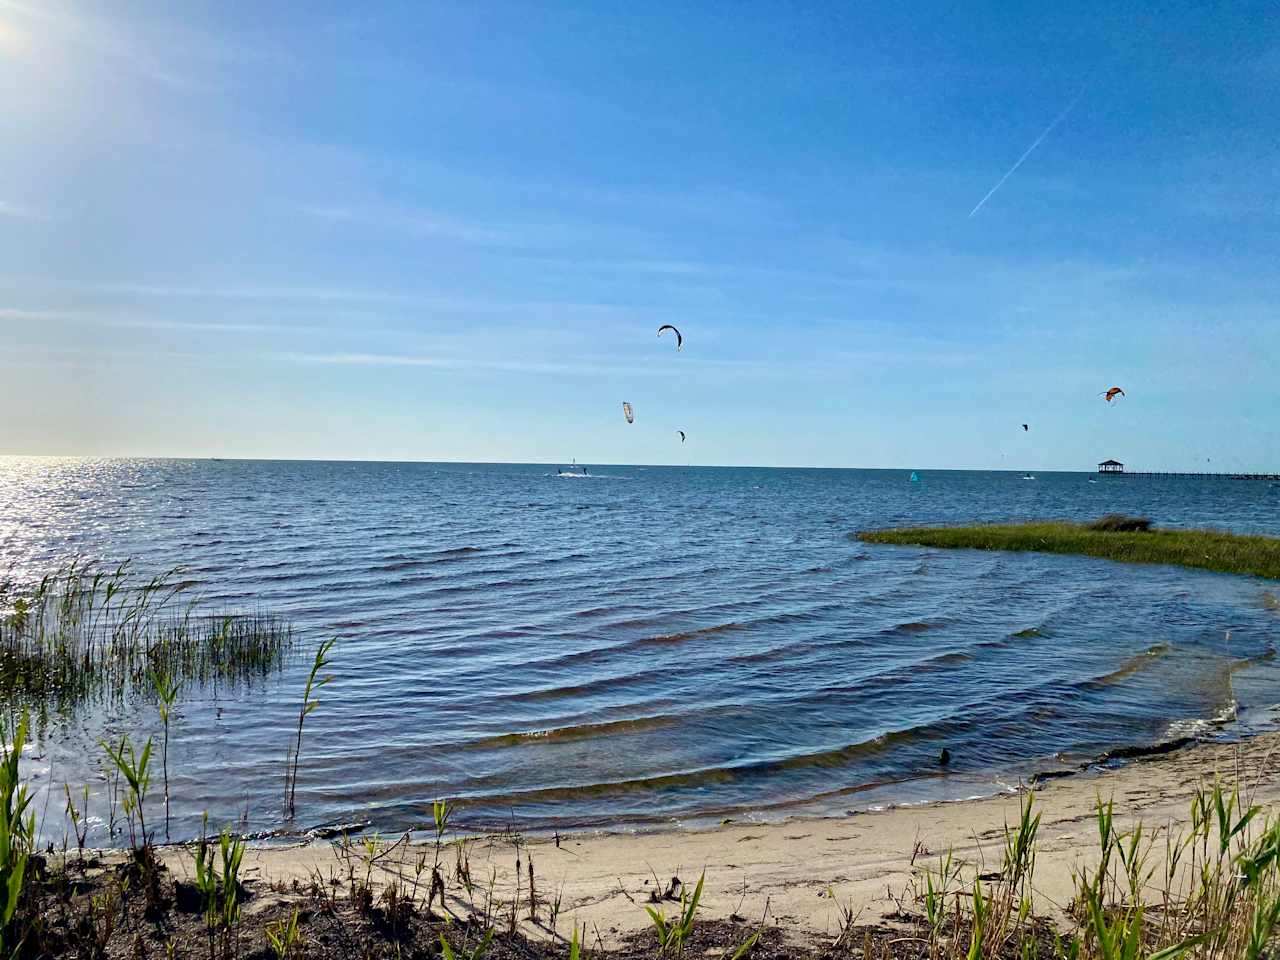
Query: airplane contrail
[1031,149]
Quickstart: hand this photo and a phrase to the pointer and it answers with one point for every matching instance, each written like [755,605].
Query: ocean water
[650,645]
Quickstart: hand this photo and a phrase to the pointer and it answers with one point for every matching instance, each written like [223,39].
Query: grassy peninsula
[1129,540]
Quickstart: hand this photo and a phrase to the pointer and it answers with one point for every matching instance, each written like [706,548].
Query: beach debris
[681,432]
[1111,393]
[629,412]
[673,889]
[679,335]
[944,757]
[329,831]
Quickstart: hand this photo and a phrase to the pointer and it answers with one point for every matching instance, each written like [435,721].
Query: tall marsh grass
[86,634]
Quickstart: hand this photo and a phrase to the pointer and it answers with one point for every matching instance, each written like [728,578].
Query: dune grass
[1203,549]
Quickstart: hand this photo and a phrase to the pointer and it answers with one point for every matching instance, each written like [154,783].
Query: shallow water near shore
[651,645]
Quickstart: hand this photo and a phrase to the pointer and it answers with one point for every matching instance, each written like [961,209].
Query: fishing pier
[1114,468]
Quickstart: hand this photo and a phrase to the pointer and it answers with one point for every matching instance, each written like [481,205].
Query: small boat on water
[915,478]
[1028,476]
[573,471]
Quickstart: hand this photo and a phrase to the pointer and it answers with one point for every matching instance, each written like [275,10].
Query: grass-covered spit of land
[1114,537]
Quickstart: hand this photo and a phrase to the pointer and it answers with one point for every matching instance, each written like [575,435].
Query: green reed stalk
[314,683]
[17,833]
[134,767]
[166,693]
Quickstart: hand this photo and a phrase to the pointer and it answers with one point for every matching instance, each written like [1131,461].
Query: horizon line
[599,463]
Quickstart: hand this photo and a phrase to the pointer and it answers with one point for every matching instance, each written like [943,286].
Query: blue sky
[450,231]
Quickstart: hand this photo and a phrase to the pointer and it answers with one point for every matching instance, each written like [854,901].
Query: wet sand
[804,873]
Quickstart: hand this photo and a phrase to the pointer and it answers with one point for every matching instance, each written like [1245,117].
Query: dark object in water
[1121,523]
[944,757]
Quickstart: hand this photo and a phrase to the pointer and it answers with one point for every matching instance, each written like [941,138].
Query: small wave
[594,611]
[706,776]
[1264,657]
[455,552]
[913,626]
[581,731]
[1131,666]
[398,564]
[670,639]
[659,640]
[1030,633]
[1197,727]
[576,689]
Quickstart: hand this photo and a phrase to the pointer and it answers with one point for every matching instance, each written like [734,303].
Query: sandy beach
[804,874]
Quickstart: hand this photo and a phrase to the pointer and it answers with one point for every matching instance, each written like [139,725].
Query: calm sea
[651,645]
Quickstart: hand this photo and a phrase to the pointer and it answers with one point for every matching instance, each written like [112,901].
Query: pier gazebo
[1111,466]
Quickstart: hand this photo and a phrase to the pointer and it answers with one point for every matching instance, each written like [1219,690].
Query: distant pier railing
[1272,477]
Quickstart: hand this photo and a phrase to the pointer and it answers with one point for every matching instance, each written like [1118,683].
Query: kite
[1025,427]
[628,412]
[681,432]
[1112,394]
[679,337]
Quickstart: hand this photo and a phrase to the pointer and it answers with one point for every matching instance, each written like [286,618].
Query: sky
[450,231]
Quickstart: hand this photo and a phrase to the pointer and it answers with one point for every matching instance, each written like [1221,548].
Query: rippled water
[651,644]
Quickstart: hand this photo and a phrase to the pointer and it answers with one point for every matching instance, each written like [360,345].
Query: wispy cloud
[90,318]
[99,358]
[17,211]
[314,294]
[369,360]
[581,365]
[323,299]
[459,364]
[414,222]
[11,313]
[674,268]
[156,51]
